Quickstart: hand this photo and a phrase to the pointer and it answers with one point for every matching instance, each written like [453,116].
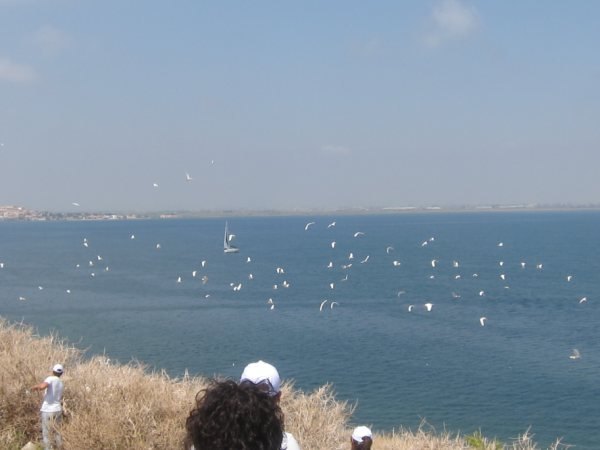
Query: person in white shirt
[265,377]
[51,410]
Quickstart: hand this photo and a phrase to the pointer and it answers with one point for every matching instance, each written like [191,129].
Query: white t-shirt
[289,442]
[53,396]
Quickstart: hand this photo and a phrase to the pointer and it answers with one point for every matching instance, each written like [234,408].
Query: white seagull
[188,177]
[331,305]
[569,277]
[575,354]
[333,244]
[365,260]
[322,305]
[359,233]
[428,306]
[389,249]
[582,300]
[410,308]
[307,226]
[332,224]
[482,321]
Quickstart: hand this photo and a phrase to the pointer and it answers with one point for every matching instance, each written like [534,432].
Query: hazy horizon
[313,105]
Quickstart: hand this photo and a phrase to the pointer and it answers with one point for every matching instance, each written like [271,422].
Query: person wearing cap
[266,378]
[361,439]
[51,410]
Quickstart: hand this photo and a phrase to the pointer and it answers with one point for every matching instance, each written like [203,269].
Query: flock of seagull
[95,264]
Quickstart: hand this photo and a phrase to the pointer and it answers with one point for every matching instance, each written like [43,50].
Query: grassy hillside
[112,406]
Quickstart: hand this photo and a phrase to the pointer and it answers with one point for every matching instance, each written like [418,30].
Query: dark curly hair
[229,416]
[364,445]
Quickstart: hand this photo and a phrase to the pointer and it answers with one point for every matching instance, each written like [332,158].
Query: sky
[298,105]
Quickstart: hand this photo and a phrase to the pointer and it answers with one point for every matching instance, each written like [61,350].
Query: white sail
[227,238]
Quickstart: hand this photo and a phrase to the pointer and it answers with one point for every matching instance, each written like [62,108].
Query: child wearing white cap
[266,377]
[361,439]
[51,410]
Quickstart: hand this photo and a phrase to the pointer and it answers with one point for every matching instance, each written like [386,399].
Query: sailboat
[227,238]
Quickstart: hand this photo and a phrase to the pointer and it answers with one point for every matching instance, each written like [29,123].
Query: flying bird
[582,300]
[569,277]
[75,204]
[389,249]
[575,354]
[188,177]
[482,321]
[365,260]
[332,224]
[332,304]
[333,244]
[410,308]
[359,233]
[428,306]
[307,226]
[396,263]
[155,185]
[322,305]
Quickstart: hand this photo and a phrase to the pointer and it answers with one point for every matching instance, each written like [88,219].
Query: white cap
[261,372]
[58,368]
[361,432]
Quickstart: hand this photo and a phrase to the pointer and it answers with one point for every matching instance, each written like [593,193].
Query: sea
[341,301]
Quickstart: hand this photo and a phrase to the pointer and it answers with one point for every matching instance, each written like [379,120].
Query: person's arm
[40,387]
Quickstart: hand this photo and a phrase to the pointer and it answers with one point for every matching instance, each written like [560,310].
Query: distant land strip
[11,212]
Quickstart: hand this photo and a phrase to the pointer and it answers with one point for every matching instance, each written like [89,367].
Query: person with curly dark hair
[230,416]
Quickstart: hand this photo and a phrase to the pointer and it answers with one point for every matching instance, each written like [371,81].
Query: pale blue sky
[299,104]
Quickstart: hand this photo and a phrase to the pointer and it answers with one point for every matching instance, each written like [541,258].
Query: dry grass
[126,407]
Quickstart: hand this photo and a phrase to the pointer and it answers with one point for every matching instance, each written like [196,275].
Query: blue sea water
[398,366]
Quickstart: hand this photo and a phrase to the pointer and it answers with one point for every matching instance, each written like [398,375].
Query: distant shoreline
[17,213]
